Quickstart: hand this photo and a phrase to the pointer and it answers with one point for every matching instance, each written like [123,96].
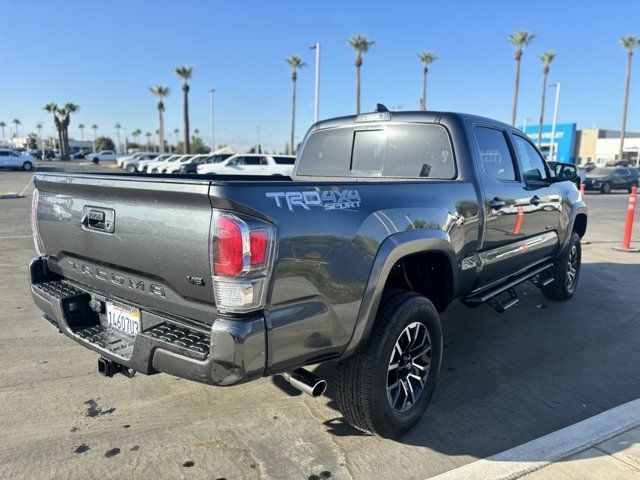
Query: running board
[495,296]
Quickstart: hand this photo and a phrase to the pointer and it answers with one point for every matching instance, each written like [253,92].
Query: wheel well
[580,224]
[427,273]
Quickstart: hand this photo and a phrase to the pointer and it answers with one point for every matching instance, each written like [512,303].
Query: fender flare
[394,248]
[577,209]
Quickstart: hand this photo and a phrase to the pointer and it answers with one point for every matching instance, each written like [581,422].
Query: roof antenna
[381,108]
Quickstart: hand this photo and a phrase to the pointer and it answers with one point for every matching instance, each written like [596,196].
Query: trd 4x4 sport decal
[327,199]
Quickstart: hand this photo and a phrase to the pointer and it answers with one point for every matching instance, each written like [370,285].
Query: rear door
[511,240]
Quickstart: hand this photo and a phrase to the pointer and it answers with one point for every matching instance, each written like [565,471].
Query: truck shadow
[541,366]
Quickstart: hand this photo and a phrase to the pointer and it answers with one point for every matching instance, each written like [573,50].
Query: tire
[564,284]
[95,160]
[363,393]
[131,168]
[606,187]
[27,166]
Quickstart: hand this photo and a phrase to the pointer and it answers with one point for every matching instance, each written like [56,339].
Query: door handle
[535,200]
[497,203]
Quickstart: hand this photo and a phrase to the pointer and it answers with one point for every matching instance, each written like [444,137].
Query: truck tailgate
[142,241]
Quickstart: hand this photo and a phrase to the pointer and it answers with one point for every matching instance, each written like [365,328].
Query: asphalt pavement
[506,380]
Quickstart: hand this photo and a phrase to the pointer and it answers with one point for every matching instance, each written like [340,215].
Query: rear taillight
[37,242]
[241,257]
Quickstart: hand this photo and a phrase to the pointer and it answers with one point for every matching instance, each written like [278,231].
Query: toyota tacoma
[387,219]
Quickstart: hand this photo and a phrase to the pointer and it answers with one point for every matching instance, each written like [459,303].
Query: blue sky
[104,56]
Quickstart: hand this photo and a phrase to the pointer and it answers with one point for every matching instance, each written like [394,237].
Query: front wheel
[386,387]
[95,160]
[566,271]
[27,166]
[606,187]
[131,168]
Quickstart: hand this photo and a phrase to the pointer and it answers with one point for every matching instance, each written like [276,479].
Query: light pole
[213,131]
[39,127]
[524,124]
[316,96]
[125,140]
[552,153]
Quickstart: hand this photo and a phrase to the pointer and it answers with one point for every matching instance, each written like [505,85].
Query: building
[602,146]
[563,143]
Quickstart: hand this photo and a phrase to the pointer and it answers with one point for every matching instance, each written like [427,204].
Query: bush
[104,143]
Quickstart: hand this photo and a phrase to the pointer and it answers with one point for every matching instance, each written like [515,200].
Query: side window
[4,154]
[494,153]
[531,162]
[623,172]
[255,161]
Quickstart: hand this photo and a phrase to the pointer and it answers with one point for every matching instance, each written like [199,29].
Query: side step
[495,296]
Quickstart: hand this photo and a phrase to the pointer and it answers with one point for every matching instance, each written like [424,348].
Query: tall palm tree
[117,126]
[426,58]
[183,72]
[519,40]
[2,126]
[52,108]
[148,135]
[39,127]
[295,63]
[359,44]
[64,115]
[81,128]
[546,58]
[17,124]
[629,43]
[176,132]
[136,134]
[160,91]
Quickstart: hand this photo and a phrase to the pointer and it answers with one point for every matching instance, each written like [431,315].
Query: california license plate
[123,318]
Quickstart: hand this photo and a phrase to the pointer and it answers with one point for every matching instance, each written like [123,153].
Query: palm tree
[295,63]
[64,115]
[184,72]
[426,58]
[81,128]
[176,132]
[52,108]
[148,135]
[359,44]
[547,57]
[136,134]
[117,126]
[39,127]
[94,127]
[17,123]
[629,43]
[2,126]
[160,91]
[519,39]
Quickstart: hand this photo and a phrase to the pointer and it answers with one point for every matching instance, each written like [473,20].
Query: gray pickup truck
[388,218]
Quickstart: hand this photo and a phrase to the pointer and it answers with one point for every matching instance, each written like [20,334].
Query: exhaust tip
[306,382]
[319,388]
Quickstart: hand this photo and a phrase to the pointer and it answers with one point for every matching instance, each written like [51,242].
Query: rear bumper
[229,352]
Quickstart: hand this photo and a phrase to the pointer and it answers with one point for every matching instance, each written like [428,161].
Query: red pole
[626,241]
[518,225]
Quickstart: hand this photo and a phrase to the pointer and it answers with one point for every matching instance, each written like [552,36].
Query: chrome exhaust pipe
[306,382]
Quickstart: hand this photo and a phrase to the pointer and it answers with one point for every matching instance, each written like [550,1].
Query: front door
[512,239]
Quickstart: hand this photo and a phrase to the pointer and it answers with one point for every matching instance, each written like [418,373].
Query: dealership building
[562,148]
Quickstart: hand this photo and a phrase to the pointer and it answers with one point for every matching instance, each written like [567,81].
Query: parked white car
[131,165]
[152,166]
[163,167]
[252,164]
[103,156]
[174,167]
[10,158]
[120,161]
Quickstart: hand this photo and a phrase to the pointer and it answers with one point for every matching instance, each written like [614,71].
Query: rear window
[284,160]
[600,171]
[397,150]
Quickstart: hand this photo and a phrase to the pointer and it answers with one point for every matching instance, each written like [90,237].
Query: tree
[39,127]
[359,44]
[2,127]
[103,143]
[184,72]
[94,127]
[546,58]
[426,58]
[295,63]
[117,126]
[148,135]
[17,124]
[52,108]
[81,128]
[136,134]
[629,43]
[519,40]
[61,120]
[160,91]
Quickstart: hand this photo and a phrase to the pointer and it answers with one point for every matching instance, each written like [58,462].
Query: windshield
[600,171]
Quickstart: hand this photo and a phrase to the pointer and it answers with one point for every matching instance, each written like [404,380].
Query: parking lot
[506,379]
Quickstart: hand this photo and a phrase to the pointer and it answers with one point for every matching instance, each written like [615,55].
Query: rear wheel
[386,387]
[27,166]
[131,168]
[606,187]
[566,271]
[95,160]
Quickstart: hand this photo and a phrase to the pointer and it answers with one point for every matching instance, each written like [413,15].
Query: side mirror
[565,172]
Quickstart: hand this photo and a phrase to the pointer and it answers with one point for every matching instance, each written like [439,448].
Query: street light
[552,153]
[316,97]
[213,131]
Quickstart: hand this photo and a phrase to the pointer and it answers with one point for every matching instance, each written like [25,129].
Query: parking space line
[15,236]
[30,183]
[539,453]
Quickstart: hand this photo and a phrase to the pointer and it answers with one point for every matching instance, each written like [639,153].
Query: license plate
[124,319]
